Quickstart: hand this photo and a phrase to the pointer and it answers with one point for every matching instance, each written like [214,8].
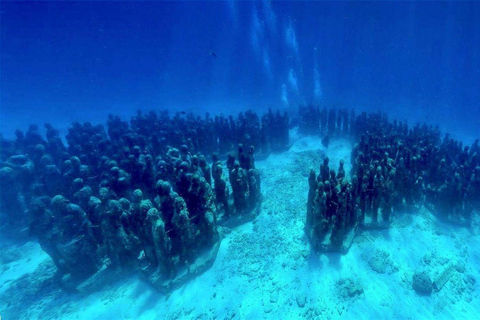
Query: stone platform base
[104,277]
[326,246]
[202,263]
[369,224]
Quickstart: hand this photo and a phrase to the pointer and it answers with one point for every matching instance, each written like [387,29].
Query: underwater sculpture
[245,183]
[394,169]
[325,123]
[123,200]
[332,214]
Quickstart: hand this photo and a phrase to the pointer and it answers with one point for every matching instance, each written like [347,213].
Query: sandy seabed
[266,270]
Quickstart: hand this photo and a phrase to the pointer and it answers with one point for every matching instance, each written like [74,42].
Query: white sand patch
[17,261]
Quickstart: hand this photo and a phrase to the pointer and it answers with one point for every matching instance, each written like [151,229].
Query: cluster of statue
[397,167]
[394,169]
[123,198]
[331,207]
[267,133]
[313,121]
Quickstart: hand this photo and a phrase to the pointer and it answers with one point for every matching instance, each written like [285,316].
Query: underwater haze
[82,60]
[239,159]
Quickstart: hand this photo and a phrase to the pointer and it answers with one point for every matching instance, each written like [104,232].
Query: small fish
[213,54]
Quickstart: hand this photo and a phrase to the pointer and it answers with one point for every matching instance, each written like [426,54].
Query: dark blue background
[80,61]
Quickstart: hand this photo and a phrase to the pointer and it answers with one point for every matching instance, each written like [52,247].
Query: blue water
[80,61]
[416,61]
